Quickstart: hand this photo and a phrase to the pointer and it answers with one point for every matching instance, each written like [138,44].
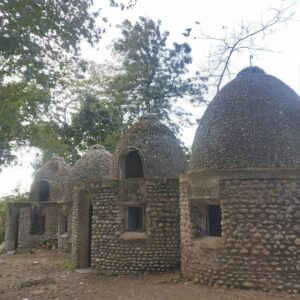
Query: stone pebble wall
[159,251]
[75,238]
[64,238]
[57,173]
[10,227]
[260,236]
[26,239]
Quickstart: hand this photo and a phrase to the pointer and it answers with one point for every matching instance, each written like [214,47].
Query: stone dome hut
[36,222]
[240,202]
[90,169]
[232,220]
[93,165]
[135,223]
[253,122]
[155,147]
[49,183]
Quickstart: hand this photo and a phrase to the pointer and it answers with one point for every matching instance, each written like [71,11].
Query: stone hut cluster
[230,218]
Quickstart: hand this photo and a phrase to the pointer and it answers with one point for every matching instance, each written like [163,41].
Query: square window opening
[64,224]
[37,224]
[198,226]
[214,220]
[135,218]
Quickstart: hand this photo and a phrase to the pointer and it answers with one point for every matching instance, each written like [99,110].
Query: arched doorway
[133,165]
[85,229]
[43,191]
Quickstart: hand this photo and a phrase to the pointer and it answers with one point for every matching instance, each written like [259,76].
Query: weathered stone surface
[56,172]
[162,155]
[23,211]
[245,158]
[156,249]
[255,251]
[92,166]
[252,122]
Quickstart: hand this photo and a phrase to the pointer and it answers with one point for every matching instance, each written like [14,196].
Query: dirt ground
[46,274]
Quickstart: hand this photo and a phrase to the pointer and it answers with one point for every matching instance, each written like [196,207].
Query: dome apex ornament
[251,70]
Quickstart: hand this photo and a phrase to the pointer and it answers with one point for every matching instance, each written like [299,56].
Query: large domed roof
[253,122]
[160,149]
[92,166]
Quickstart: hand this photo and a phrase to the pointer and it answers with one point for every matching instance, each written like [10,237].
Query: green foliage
[38,40]
[149,77]
[44,136]
[67,265]
[96,122]
[21,106]
[52,100]
[35,35]
[152,76]
[3,208]
[80,114]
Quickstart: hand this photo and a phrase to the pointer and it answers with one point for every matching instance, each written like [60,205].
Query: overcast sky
[176,16]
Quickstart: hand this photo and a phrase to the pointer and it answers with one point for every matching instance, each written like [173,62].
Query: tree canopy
[39,40]
[36,35]
[151,76]
[95,122]
[145,76]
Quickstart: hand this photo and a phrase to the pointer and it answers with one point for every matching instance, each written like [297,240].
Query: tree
[21,105]
[95,122]
[151,77]
[80,114]
[38,41]
[247,37]
[35,36]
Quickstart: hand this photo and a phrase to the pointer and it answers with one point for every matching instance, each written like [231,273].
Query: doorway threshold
[85,271]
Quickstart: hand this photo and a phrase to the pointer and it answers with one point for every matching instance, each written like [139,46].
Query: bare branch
[243,38]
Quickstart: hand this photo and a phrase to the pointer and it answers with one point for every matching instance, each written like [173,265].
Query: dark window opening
[65,224]
[85,230]
[133,165]
[17,231]
[135,218]
[37,224]
[197,218]
[214,220]
[43,191]
[90,235]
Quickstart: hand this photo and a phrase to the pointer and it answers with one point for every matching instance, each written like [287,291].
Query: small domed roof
[55,169]
[254,121]
[93,165]
[161,152]
[56,173]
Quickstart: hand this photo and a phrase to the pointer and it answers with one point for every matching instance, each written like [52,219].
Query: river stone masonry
[232,219]
[240,202]
[116,251]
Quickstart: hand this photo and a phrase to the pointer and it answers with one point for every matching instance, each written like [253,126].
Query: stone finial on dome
[251,70]
[97,147]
